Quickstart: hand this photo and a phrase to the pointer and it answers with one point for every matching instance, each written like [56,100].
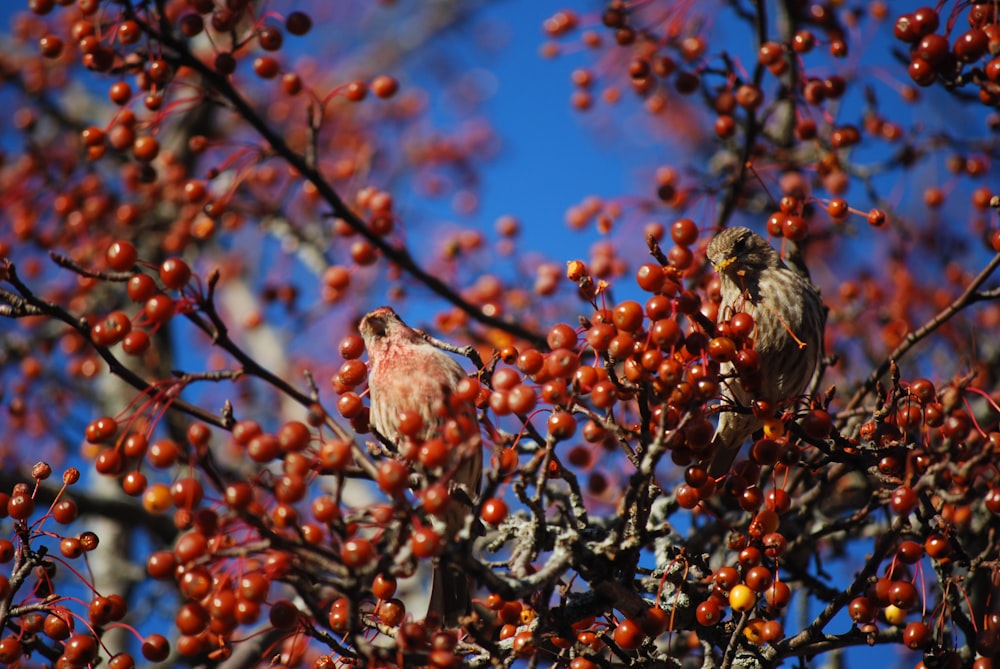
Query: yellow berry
[742,598]
[773,428]
[895,615]
[754,632]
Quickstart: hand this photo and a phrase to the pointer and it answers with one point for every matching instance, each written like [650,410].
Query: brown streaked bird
[788,337]
[409,374]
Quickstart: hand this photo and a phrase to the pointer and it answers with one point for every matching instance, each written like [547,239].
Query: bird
[789,319]
[409,374]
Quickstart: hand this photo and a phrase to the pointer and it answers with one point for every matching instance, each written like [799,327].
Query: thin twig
[913,338]
[116,366]
[219,332]
[396,254]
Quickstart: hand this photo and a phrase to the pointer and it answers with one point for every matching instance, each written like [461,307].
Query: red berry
[708,613]
[684,232]
[384,86]
[356,91]
[155,648]
[266,67]
[903,500]
[393,477]
[298,23]
[121,256]
[916,635]
[425,543]
[141,287]
[384,587]
[628,635]
[80,649]
[494,511]
[270,38]
[174,273]
[357,553]
[20,506]
[159,308]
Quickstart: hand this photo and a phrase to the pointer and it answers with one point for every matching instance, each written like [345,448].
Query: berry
[628,635]
[357,553]
[742,598]
[494,511]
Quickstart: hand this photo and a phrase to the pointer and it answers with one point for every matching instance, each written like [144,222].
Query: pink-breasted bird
[408,374]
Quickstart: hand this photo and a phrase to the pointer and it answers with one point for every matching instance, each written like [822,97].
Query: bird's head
[735,251]
[378,323]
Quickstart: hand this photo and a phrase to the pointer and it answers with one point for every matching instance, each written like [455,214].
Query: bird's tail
[733,430]
[451,588]
[450,595]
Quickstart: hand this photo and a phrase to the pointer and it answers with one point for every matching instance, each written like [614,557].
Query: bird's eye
[741,244]
[377,326]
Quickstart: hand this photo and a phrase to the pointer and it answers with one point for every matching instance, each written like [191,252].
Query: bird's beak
[723,264]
